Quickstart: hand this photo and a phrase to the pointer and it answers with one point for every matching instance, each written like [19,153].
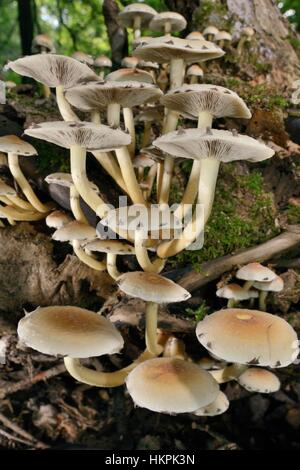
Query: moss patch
[293,214]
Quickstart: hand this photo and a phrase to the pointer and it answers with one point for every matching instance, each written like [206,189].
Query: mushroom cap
[74,231]
[130,75]
[147,64]
[43,40]
[145,12]
[102,61]
[115,247]
[217,100]
[166,48]
[195,35]
[151,113]
[256,379]
[144,39]
[223,36]
[248,31]
[84,134]
[66,180]
[130,62]
[276,285]
[143,161]
[6,190]
[98,95]
[217,407]
[71,331]
[236,292]
[255,272]
[151,287]
[83,57]
[249,337]
[195,70]
[13,144]
[176,21]
[57,219]
[53,70]
[210,30]
[224,146]
[171,385]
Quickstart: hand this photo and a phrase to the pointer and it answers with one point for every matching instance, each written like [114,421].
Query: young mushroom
[168,22]
[83,58]
[276,285]
[210,33]
[57,219]
[195,73]
[171,385]
[130,62]
[195,35]
[256,379]
[254,272]
[235,293]
[222,38]
[246,37]
[217,407]
[136,16]
[102,62]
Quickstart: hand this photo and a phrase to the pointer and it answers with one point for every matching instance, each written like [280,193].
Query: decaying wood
[213,269]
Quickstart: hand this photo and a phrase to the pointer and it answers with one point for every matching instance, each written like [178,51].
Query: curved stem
[64,107]
[129,125]
[248,284]
[229,373]
[262,300]
[13,163]
[19,202]
[191,190]
[129,176]
[111,265]
[151,327]
[15,214]
[111,167]
[87,259]
[75,206]
[142,256]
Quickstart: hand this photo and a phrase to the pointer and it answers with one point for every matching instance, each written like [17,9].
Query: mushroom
[83,58]
[14,146]
[276,285]
[149,116]
[259,380]
[234,293]
[112,248]
[246,37]
[130,62]
[175,347]
[253,272]
[57,219]
[102,62]
[222,38]
[217,407]
[9,196]
[195,72]
[44,44]
[167,22]
[211,148]
[210,33]
[136,16]
[154,289]
[195,35]
[130,75]
[171,385]
[80,137]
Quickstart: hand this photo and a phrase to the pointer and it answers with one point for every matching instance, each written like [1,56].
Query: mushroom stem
[177,70]
[111,261]
[231,303]
[229,373]
[169,126]
[2,225]
[151,328]
[64,107]
[95,117]
[159,178]
[168,28]
[193,80]
[150,179]
[262,300]
[15,214]
[13,163]
[113,114]
[247,285]
[19,202]
[129,125]
[102,379]
[111,167]
[87,259]
[142,256]
[190,192]
[129,176]
[137,23]
[75,205]
[146,135]
[46,91]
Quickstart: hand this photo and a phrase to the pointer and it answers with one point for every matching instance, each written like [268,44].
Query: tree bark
[26,26]
[117,35]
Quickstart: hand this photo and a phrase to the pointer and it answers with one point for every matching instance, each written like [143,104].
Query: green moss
[211,12]
[293,214]
[199,313]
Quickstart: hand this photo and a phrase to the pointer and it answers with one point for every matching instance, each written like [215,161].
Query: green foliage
[199,313]
[293,214]
[262,96]
[293,9]
[214,13]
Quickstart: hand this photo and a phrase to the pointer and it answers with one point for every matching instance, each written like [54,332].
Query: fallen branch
[29,439]
[213,269]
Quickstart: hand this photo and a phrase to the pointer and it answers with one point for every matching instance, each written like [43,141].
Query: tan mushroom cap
[145,12]
[276,285]
[57,219]
[102,61]
[224,146]
[130,62]
[98,95]
[13,144]
[152,287]
[115,247]
[84,134]
[166,48]
[43,40]
[83,57]
[217,100]
[217,407]
[74,231]
[223,36]
[6,190]
[195,35]
[255,272]
[248,31]
[249,337]
[143,161]
[176,22]
[171,385]
[194,70]
[236,292]
[147,64]
[66,180]
[130,75]
[153,113]
[259,380]
[71,331]
[53,70]
[210,30]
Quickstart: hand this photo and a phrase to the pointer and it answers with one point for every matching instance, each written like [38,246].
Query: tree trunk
[25,19]
[117,35]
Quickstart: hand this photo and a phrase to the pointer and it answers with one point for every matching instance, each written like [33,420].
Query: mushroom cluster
[163,378]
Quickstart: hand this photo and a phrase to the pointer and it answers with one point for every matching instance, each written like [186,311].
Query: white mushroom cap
[143,161]
[176,21]
[98,95]
[84,134]
[131,75]
[52,70]
[66,180]
[166,48]
[276,285]
[194,70]
[255,272]
[71,331]
[130,62]
[147,64]
[236,292]
[74,231]
[43,40]
[57,219]
[210,30]
[115,247]
[195,35]
[223,36]
[259,380]
[151,287]
[217,407]
[6,190]
[217,100]
[249,337]
[83,57]
[171,385]
[221,145]
[248,31]
[13,144]
[145,12]
[102,61]
[144,39]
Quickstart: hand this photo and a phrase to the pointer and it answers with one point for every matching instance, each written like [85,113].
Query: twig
[18,430]
[10,437]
